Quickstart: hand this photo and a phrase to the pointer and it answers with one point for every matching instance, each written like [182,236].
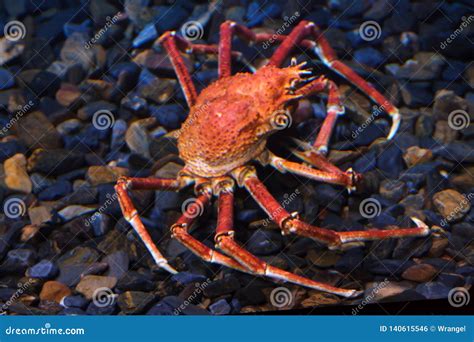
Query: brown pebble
[451,204]
[420,273]
[54,291]
[416,155]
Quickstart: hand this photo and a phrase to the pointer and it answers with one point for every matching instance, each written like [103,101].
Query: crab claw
[420,224]
[396,120]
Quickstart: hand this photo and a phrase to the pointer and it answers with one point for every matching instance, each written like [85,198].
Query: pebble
[118,264]
[54,162]
[420,273]
[445,102]
[179,307]
[93,309]
[134,302]
[415,155]
[433,290]
[221,287]
[135,281]
[264,242]
[36,131]
[74,301]
[6,79]
[54,291]
[45,269]
[221,307]
[322,258]
[451,204]
[104,174]
[16,176]
[393,190]
[90,283]
[55,191]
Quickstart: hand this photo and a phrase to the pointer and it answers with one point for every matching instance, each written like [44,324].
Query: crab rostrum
[227,130]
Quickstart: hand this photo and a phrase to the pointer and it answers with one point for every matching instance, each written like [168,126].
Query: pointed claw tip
[419,223]
[396,120]
[352,293]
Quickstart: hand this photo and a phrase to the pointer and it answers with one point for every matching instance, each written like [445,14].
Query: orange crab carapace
[227,130]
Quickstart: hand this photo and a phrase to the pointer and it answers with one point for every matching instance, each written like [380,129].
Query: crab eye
[281,119]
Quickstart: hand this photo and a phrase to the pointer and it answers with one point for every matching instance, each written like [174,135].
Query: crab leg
[314,158]
[347,179]
[334,109]
[227,31]
[180,233]
[289,223]
[169,41]
[131,215]
[328,56]
[225,242]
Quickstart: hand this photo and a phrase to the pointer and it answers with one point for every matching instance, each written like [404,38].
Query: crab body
[233,117]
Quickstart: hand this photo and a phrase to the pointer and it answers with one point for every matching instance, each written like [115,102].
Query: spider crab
[227,128]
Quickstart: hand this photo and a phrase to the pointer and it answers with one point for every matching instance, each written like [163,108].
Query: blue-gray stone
[221,307]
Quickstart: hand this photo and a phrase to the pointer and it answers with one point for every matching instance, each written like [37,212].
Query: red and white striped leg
[180,233]
[334,109]
[289,223]
[324,50]
[225,242]
[227,31]
[169,41]
[131,215]
[347,179]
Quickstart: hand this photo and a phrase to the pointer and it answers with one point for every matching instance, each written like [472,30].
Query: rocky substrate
[65,247]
